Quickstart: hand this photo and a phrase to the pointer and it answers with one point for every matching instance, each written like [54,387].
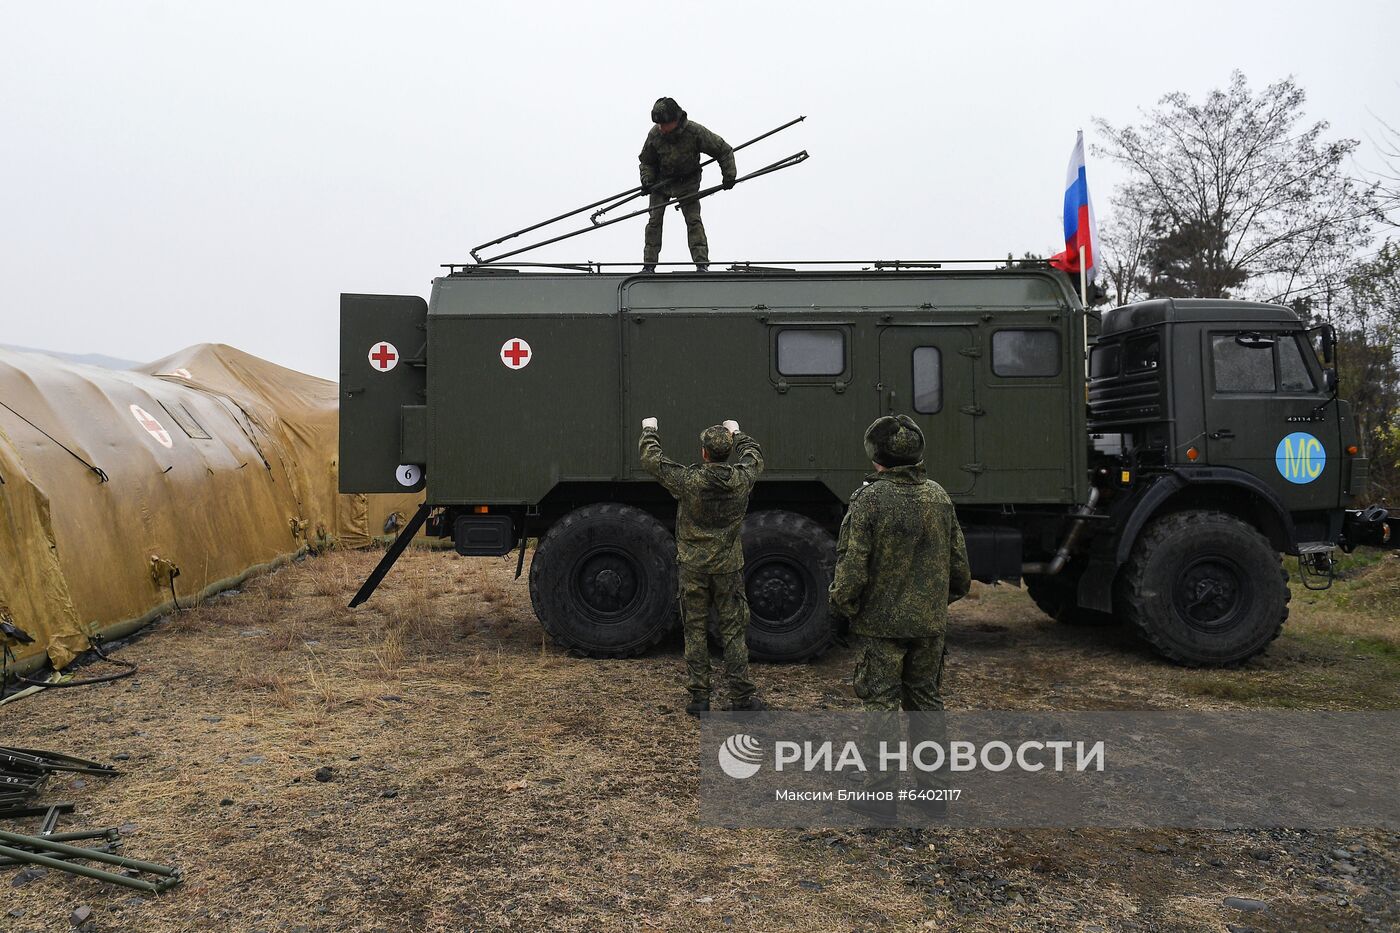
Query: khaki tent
[304,413]
[123,491]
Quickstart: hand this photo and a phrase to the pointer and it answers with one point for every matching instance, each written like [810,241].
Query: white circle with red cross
[152,426]
[383,356]
[516,353]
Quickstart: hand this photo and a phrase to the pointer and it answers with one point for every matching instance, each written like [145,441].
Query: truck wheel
[788,563]
[1205,588]
[1057,597]
[603,581]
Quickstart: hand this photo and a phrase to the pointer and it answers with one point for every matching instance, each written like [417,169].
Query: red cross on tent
[515,353]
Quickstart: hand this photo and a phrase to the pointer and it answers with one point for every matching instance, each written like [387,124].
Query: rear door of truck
[383,347]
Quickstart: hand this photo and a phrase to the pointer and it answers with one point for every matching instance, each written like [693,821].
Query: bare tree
[1388,177]
[1236,194]
[1123,246]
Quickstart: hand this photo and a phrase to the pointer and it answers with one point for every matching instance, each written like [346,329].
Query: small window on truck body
[1142,354]
[1026,353]
[811,351]
[1104,360]
[928,380]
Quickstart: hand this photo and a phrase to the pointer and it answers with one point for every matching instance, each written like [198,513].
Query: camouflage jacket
[712,497]
[901,558]
[674,157]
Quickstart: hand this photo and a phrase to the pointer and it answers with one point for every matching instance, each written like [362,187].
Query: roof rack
[765,266]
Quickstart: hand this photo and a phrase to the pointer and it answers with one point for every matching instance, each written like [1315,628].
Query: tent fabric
[303,412]
[122,491]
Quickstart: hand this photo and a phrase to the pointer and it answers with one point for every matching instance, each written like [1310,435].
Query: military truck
[1159,486]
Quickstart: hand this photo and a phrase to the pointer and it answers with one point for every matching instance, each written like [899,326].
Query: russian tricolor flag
[1081,231]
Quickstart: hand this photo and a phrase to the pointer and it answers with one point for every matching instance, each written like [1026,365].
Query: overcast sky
[181,172]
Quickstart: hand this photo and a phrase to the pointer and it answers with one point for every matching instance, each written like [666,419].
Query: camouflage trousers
[725,592]
[901,672]
[694,228]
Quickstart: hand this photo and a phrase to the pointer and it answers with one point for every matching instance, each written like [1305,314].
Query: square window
[811,352]
[1022,353]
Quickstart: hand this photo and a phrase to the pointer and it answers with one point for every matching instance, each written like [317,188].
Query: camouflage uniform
[671,163]
[713,498]
[900,561]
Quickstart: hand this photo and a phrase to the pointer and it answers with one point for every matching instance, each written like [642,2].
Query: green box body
[607,351]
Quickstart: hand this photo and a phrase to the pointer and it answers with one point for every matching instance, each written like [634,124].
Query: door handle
[1224,434]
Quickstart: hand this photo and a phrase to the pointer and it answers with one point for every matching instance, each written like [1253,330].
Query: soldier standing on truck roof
[670,166]
[712,500]
[900,561]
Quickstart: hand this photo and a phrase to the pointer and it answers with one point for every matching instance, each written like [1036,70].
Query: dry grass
[482,780]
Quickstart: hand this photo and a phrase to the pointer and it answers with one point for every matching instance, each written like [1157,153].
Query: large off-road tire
[788,563]
[603,581]
[1204,588]
[1058,597]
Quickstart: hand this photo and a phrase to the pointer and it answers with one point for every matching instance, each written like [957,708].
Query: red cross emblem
[152,426]
[383,356]
[515,353]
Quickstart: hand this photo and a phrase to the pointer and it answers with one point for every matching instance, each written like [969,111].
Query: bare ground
[483,780]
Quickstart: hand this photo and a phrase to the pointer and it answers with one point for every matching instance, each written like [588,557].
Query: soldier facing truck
[900,561]
[712,499]
[670,168]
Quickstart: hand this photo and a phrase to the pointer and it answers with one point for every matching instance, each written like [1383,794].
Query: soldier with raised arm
[712,498]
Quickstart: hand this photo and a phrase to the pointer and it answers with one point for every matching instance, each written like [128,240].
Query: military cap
[717,442]
[665,110]
[894,440]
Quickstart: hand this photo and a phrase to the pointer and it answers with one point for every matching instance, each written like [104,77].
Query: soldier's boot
[649,267]
[702,267]
[749,704]
[699,703]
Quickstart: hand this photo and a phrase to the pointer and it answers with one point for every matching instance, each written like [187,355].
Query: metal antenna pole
[624,199]
[794,159]
[620,198]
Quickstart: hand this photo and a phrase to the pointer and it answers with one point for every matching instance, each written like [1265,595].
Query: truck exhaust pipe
[1057,563]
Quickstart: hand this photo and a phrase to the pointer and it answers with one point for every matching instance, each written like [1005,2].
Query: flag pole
[1083,277]
[1084,300]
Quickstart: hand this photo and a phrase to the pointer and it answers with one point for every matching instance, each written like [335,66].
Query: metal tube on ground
[87,871]
[11,863]
[121,861]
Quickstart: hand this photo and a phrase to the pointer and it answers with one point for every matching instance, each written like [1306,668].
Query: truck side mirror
[1329,379]
[1326,342]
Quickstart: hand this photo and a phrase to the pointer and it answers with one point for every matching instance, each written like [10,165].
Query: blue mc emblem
[1300,457]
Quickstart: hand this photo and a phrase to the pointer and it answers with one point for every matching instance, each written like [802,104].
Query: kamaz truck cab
[1211,443]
